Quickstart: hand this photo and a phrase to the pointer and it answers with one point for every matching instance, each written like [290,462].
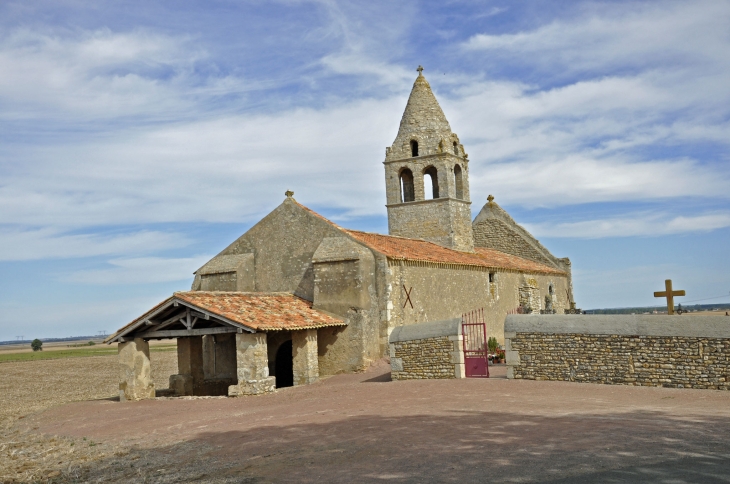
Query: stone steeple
[424,121]
[427,152]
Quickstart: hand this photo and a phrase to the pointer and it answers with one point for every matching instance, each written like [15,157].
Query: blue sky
[137,138]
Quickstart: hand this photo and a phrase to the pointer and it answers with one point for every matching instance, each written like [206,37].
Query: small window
[406,186]
[492,277]
[431,173]
[458,182]
[414,147]
[456,148]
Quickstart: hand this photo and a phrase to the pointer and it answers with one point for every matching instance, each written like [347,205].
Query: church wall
[347,288]
[496,234]
[283,244]
[443,292]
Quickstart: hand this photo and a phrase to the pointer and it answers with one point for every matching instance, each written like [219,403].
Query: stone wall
[427,351]
[444,221]
[668,351]
[445,292]
[496,234]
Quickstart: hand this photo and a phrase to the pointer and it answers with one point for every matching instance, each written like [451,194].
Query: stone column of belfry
[305,357]
[135,373]
[252,366]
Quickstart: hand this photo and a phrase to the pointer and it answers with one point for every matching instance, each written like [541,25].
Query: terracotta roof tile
[261,311]
[266,311]
[401,248]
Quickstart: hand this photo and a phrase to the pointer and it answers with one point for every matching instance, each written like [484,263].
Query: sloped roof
[250,311]
[401,248]
[270,311]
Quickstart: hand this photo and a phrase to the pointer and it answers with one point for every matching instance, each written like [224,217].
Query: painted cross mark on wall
[408,296]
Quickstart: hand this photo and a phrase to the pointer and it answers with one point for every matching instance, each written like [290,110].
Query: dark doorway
[284,366]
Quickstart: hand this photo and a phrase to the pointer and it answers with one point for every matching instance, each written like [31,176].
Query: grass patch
[74,353]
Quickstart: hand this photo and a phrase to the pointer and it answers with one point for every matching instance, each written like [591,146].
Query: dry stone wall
[427,351]
[424,359]
[667,351]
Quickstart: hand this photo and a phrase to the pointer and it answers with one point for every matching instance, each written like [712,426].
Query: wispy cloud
[17,244]
[600,36]
[141,270]
[641,225]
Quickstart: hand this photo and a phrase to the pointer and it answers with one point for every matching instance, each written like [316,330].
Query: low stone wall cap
[433,329]
[620,324]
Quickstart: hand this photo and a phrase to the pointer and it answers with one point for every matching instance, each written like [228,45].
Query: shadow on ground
[462,447]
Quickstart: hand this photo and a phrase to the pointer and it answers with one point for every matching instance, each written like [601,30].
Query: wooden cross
[420,70]
[408,296]
[669,294]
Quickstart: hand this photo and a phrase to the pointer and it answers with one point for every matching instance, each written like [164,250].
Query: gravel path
[363,428]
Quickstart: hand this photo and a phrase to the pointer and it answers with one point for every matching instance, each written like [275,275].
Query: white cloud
[574,180]
[223,170]
[141,270]
[96,74]
[50,243]
[643,225]
[602,35]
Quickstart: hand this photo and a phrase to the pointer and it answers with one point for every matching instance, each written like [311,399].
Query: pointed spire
[423,121]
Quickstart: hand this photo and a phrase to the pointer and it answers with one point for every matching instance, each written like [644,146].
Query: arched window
[433,174]
[414,147]
[456,148]
[407,193]
[458,182]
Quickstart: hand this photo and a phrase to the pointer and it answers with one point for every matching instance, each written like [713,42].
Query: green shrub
[37,345]
[492,344]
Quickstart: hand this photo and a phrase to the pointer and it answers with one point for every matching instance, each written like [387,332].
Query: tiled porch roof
[264,311]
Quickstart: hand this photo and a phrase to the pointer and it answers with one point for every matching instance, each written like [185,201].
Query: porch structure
[228,343]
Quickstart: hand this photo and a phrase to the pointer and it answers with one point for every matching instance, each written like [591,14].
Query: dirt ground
[27,387]
[68,345]
[364,428]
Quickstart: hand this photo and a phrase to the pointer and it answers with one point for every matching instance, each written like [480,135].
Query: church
[298,297]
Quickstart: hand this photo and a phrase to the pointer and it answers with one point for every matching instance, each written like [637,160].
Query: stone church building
[297,296]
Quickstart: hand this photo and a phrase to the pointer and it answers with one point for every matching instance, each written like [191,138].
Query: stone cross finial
[289,193]
[490,199]
[420,70]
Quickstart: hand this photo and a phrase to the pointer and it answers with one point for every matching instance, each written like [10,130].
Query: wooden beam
[199,315]
[181,333]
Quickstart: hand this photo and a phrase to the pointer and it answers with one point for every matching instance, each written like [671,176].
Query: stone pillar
[457,356]
[305,356]
[512,358]
[189,366]
[252,365]
[135,376]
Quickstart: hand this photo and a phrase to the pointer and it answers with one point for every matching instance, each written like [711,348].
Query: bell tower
[427,175]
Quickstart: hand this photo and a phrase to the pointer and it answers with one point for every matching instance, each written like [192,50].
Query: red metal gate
[474,332]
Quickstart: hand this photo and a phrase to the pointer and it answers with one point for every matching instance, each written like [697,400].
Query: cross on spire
[669,294]
[420,70]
